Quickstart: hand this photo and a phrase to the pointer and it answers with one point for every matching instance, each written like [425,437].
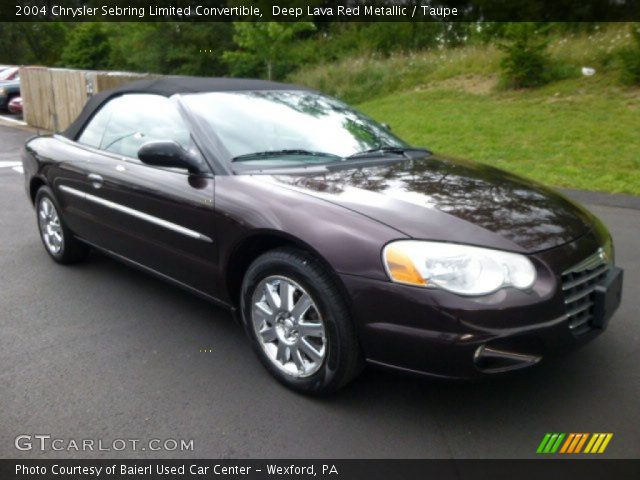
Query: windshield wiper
[277,153]
[388,149]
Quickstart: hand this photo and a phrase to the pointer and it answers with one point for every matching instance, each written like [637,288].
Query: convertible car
[332,240]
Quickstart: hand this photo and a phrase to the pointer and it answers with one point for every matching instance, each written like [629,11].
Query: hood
[440,198]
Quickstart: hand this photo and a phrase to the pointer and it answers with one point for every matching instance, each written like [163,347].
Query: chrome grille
[578,285]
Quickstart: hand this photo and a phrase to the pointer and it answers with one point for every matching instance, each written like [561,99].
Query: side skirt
[166,278]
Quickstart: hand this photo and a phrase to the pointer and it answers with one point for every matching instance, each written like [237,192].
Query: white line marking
[6,164]
[12,120]
[18,169]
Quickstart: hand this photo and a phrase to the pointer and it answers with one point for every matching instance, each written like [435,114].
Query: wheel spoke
[272,297]
[282,355]
[263,309]
[286,295]
[310,351]
[261,314]
[268,334]
[297,359]
[301,307]
[311,329]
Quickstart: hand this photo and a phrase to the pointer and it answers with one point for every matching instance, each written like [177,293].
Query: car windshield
[278,128]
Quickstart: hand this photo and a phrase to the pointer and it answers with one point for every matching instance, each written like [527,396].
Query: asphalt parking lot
[102,351]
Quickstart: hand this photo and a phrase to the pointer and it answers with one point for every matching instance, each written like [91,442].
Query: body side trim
[136,213]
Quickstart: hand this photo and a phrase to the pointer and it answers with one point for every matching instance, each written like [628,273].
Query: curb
[20,125]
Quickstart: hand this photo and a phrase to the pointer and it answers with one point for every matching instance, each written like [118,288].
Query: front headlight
[3,91]
[460,269]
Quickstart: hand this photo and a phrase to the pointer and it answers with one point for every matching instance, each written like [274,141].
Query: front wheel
[298,322]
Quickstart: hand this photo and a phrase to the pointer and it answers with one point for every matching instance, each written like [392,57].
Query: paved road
[102,351]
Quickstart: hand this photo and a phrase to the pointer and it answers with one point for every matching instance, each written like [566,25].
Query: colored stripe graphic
[543,443]
[556,445]
[581,443]
[552,440]
[567,442]
[573,443]
[605,442]
[550,443]
[598,442]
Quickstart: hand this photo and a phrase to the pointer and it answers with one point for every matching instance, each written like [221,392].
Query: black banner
[583,469]
[322,10]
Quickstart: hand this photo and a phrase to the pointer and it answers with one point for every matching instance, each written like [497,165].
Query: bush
[630,57]
[526,63]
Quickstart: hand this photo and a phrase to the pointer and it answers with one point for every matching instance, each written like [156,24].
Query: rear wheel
[298,322]
[5,108]
[58,241]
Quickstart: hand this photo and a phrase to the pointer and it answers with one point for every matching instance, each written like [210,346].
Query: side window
[124,124]
[94,131]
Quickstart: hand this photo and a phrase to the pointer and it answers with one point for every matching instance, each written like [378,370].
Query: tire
[59,242]
[5,108]
[309,343]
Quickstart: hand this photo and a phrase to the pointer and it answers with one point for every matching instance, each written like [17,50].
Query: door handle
[96,180]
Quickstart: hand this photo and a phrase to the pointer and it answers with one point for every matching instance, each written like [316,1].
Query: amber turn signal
[401,268]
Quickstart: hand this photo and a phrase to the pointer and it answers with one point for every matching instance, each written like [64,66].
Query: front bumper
[445,335]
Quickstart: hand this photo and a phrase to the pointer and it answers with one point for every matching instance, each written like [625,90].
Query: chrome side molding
[136,213]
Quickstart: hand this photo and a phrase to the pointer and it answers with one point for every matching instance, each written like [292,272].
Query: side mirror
[168,153]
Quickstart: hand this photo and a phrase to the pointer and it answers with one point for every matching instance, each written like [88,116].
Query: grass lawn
[581,133]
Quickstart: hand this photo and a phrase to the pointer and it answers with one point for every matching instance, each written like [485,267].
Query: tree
[526,63]
[88,47]
[262,44]
[38,43]
[185,48]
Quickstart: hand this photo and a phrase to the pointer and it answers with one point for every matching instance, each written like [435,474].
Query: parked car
[8,91]
[15,105]
[334,241]
[9,74]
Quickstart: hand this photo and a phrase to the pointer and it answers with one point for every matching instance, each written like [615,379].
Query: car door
[159,218]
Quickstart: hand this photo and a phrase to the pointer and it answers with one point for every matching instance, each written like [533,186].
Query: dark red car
[333,240]
[15,105]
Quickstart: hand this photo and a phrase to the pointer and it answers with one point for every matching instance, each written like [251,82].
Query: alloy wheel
[288,326]
[50,227]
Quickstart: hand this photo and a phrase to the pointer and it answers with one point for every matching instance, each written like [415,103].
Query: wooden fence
[53,97]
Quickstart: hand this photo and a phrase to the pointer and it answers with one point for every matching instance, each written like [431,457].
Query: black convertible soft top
[170,85]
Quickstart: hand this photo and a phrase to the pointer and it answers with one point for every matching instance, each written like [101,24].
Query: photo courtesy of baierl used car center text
[320,239]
